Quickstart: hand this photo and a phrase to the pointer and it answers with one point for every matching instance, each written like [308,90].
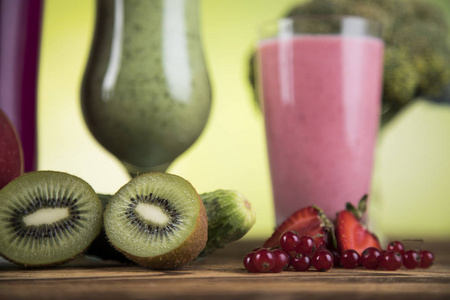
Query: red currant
[322,260]
[289,241]
[411,259]
[426,258]
[301,262]
[369,258]
[396,246]
[248,263]
[391,260]
[263,260]
[336,258]
[305,245]
[282,261]
[350,259]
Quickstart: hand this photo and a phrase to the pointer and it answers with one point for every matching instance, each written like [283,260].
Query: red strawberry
[307,221]
[351,233]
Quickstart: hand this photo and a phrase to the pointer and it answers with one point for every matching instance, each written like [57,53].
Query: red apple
[11,154]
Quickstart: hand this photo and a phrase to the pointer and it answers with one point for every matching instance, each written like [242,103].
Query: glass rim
[278,23]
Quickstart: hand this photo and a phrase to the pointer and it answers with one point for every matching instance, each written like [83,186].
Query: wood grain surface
[222,276]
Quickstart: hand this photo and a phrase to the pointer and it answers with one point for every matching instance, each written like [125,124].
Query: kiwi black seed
[47,218]
[157,220]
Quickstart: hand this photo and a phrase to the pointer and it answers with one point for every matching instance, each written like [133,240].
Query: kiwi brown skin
[185,253]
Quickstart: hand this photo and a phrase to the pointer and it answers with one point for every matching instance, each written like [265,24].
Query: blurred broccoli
[400,74]
[416,35]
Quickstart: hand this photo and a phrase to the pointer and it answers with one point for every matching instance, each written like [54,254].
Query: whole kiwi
[157,220]
[47,218]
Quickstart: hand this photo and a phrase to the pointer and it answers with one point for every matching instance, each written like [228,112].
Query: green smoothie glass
[146,94]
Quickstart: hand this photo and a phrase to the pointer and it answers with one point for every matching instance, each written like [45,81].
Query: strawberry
[351,232]
[307,221]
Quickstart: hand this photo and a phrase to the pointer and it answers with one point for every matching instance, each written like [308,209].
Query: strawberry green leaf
[362,205]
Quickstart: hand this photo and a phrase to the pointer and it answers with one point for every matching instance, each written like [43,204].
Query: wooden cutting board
[222,276]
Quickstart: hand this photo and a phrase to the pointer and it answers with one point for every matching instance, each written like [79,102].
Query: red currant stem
[413,240]
[330,230]
[420,241]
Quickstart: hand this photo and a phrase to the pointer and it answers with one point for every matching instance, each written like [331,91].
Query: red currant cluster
[296,251]
[300,253]
[390,259]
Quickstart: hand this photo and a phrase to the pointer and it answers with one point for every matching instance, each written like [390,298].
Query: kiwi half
[47,218]
[157,220]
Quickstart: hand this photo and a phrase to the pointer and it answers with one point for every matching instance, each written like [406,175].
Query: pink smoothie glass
[320,82]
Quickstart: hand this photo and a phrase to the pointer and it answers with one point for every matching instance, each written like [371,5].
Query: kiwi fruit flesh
[157,220]
[101,248]
[47,218]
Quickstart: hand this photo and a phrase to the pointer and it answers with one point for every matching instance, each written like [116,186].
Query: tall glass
[146,94]
[320,79]
[20,34]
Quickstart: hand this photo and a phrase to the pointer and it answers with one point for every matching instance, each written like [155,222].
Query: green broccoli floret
[425,12]
[373,11]
[417,26]
[416,35]
[400,76]
[428,50]
[320,7]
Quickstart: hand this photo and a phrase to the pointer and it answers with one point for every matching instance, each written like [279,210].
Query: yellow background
[411,196]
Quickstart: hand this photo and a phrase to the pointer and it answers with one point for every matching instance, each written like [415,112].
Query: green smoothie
[146,95]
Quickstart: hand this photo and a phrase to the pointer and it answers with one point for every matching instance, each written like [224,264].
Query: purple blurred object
[20,31]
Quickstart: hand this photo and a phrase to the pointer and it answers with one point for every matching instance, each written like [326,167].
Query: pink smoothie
[322,104]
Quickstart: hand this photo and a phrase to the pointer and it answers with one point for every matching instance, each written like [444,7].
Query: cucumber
[230,217]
